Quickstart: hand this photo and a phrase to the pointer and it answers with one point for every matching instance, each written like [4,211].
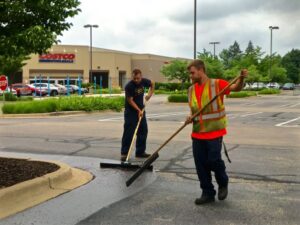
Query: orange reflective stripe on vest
[213,117]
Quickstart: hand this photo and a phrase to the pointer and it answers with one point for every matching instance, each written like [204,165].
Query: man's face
[195,74]
[137,78]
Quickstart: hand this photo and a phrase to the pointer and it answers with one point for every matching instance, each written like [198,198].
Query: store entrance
[97,76]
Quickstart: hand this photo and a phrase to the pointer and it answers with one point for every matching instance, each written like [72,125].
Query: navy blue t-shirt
[137,92]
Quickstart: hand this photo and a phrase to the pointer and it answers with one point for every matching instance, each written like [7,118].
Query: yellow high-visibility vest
[213,118]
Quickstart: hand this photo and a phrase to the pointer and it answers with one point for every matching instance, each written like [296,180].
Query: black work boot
[123,157]
[143,155]
[204,200]
[223,192]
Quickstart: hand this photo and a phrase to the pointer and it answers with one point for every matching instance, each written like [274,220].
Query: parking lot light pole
[271,42]
[214,43]
[195,28]
[91,26]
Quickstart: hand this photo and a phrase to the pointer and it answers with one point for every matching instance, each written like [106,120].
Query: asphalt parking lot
[263,142]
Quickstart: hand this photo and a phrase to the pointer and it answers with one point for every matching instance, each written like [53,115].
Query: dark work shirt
[137,92]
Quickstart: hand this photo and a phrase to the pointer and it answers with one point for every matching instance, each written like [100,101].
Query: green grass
[178,98]
[269,92]
[65,104]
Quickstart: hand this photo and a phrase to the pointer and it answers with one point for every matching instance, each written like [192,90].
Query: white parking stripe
[284,123]
[111,119]
[149,116]
[292,106]
[251,114]
[286,105]
[250,104]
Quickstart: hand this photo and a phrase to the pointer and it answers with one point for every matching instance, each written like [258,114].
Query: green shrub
[242,94]
[269,91]
[172,86]
[30,107]
[178,98]
[106,91]
[65,104]
[9,97]
[25,98]
[165,92]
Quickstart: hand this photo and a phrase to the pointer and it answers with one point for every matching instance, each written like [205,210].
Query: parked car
[273,85]
[76,88]
[288,86]
[62,90]
[258,85]
[44,86]
[37,90]
[22,89]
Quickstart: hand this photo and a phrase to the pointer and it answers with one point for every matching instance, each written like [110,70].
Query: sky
[166,27]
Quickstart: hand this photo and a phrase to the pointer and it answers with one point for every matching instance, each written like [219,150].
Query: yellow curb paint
[33,192]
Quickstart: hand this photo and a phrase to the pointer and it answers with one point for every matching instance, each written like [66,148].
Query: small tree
[29,26]
[176,70]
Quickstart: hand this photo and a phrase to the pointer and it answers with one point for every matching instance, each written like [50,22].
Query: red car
[36,90]
[22,89]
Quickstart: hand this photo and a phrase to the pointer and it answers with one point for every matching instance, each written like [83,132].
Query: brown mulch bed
[13,171]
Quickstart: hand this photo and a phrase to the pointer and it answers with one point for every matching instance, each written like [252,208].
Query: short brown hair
[198,64]
[136,72]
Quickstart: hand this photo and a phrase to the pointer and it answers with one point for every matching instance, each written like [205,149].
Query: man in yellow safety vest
[208,129]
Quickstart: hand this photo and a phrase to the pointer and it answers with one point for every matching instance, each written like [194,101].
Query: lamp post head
[91,26]
[214,42]
[274,27]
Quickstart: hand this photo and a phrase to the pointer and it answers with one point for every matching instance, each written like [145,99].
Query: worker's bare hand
[147,97]
[244,73]
[188,120]
[140,113]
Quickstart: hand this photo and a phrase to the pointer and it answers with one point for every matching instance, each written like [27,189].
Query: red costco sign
[57,58]
[3,83]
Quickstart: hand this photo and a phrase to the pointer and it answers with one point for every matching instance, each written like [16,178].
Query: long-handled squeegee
[154,156]
[127,164]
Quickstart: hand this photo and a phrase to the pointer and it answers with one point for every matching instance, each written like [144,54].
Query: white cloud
[166,27]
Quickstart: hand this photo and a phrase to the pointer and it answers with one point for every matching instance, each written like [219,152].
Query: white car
[258,85]
[62,90]
[76,88]
[44,86]
[273,85]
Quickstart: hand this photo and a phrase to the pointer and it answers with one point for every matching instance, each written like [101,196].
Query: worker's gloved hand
[188,120]
[140,113]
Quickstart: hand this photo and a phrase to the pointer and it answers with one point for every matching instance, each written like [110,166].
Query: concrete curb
[42,115]
[33,192]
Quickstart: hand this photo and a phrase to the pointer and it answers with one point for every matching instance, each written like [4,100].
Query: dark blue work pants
[207,156]
[131,120]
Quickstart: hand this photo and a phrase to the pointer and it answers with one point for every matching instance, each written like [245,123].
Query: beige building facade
[109,67]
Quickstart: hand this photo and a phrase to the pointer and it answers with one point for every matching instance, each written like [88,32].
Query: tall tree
[230,55]
[291,62]
[250,48]
[214,67]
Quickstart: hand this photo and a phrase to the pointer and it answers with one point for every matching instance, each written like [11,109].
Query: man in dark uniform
[134,104]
